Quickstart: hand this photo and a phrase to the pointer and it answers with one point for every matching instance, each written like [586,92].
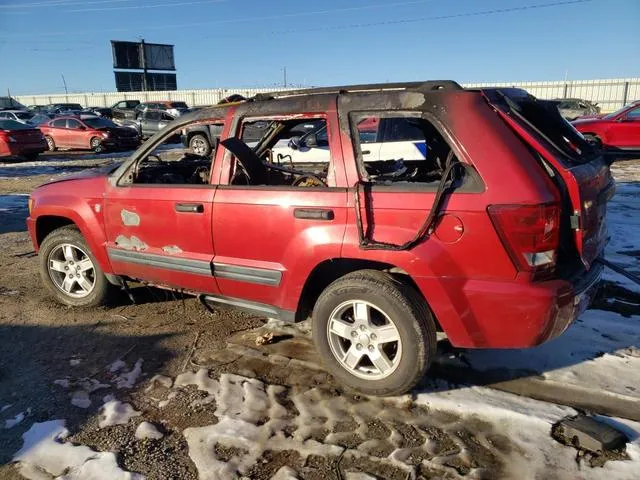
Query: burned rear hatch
[582,167]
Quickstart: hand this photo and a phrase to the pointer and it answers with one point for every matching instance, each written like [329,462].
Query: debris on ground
[264,339]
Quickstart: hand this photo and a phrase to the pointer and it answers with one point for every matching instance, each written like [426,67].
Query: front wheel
[70,271]
[96,145]
[374,333]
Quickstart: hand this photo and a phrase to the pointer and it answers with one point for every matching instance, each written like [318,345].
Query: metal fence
[609,94]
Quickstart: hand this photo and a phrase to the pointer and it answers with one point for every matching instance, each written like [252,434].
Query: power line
[57,3]
[143,7]
[433,18]
[326,28]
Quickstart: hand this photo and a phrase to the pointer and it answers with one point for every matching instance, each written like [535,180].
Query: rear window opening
[395,148]
[543,117]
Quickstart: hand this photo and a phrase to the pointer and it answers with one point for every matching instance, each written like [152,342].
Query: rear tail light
[530,233]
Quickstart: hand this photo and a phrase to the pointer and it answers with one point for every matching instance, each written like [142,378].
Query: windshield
[99,122]
[616,113]
[13,125]
[23,115]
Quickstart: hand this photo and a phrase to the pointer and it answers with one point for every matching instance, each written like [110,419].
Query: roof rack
[372,87]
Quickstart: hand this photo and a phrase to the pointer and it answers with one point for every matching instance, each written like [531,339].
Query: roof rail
[372,87]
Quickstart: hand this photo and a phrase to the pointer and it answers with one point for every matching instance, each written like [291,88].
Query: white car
[391,138]
[22,116]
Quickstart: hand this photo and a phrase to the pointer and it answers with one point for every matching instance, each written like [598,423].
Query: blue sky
[245,43]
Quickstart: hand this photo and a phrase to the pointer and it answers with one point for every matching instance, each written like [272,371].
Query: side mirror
[623,119]
[82,127]
[294,143]
[311,141]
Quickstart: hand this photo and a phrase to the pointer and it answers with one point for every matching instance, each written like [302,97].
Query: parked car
[65,108]
[124,110]
[619,130]
[88,132]
[40,118]
[22,116]
[149,122]
[202,139]
[490,231]
[572,108]
[98,111]
[18,139]
[172,108]
[37,108]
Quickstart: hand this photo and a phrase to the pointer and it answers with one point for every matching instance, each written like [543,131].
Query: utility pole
[284,72]
[64,82]
[143,56]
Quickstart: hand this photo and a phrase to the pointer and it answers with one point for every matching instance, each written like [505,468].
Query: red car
[619,130]
[480,213]
[88,132]
[19,139]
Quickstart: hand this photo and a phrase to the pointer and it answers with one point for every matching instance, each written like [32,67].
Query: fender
[86,214]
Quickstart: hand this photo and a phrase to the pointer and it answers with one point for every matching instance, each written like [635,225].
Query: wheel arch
[328,271]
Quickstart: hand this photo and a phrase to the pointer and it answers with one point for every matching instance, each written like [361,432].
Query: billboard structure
[142,57]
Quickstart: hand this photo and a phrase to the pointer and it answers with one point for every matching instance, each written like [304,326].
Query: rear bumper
[26,148]
[489,314]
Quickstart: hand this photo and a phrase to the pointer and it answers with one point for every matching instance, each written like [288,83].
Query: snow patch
[12,422]
[44,454]
[116,366]
[148,430]
[115,412]
[285,473]
[80,399]
[129,379]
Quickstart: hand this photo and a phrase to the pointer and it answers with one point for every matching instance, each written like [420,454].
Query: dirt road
[166,389]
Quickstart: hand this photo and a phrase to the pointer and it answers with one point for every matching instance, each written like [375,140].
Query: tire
[389,303]
[31,157]
[96,145]
[199,145]
[82,262]
[593,140]
[50,143]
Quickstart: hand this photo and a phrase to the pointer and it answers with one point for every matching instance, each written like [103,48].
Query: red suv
[410,208]
[88,132]
[619,130]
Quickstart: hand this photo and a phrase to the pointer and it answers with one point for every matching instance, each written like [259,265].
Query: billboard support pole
[143,56]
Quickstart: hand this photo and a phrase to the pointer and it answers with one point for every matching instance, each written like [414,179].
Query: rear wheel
[50,143]
[70,271]
[96,145]
[199,145]
[374,333]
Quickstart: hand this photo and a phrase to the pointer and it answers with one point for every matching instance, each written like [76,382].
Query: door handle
[190,207]
[313,214]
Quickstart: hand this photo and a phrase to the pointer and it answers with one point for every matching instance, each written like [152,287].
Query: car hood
[590,117]
[84,176]
[586,120]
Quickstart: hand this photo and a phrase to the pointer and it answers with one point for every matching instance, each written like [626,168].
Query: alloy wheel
[71,270]
[364,340]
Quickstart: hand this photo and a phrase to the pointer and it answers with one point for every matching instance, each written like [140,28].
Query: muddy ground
[324,431]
